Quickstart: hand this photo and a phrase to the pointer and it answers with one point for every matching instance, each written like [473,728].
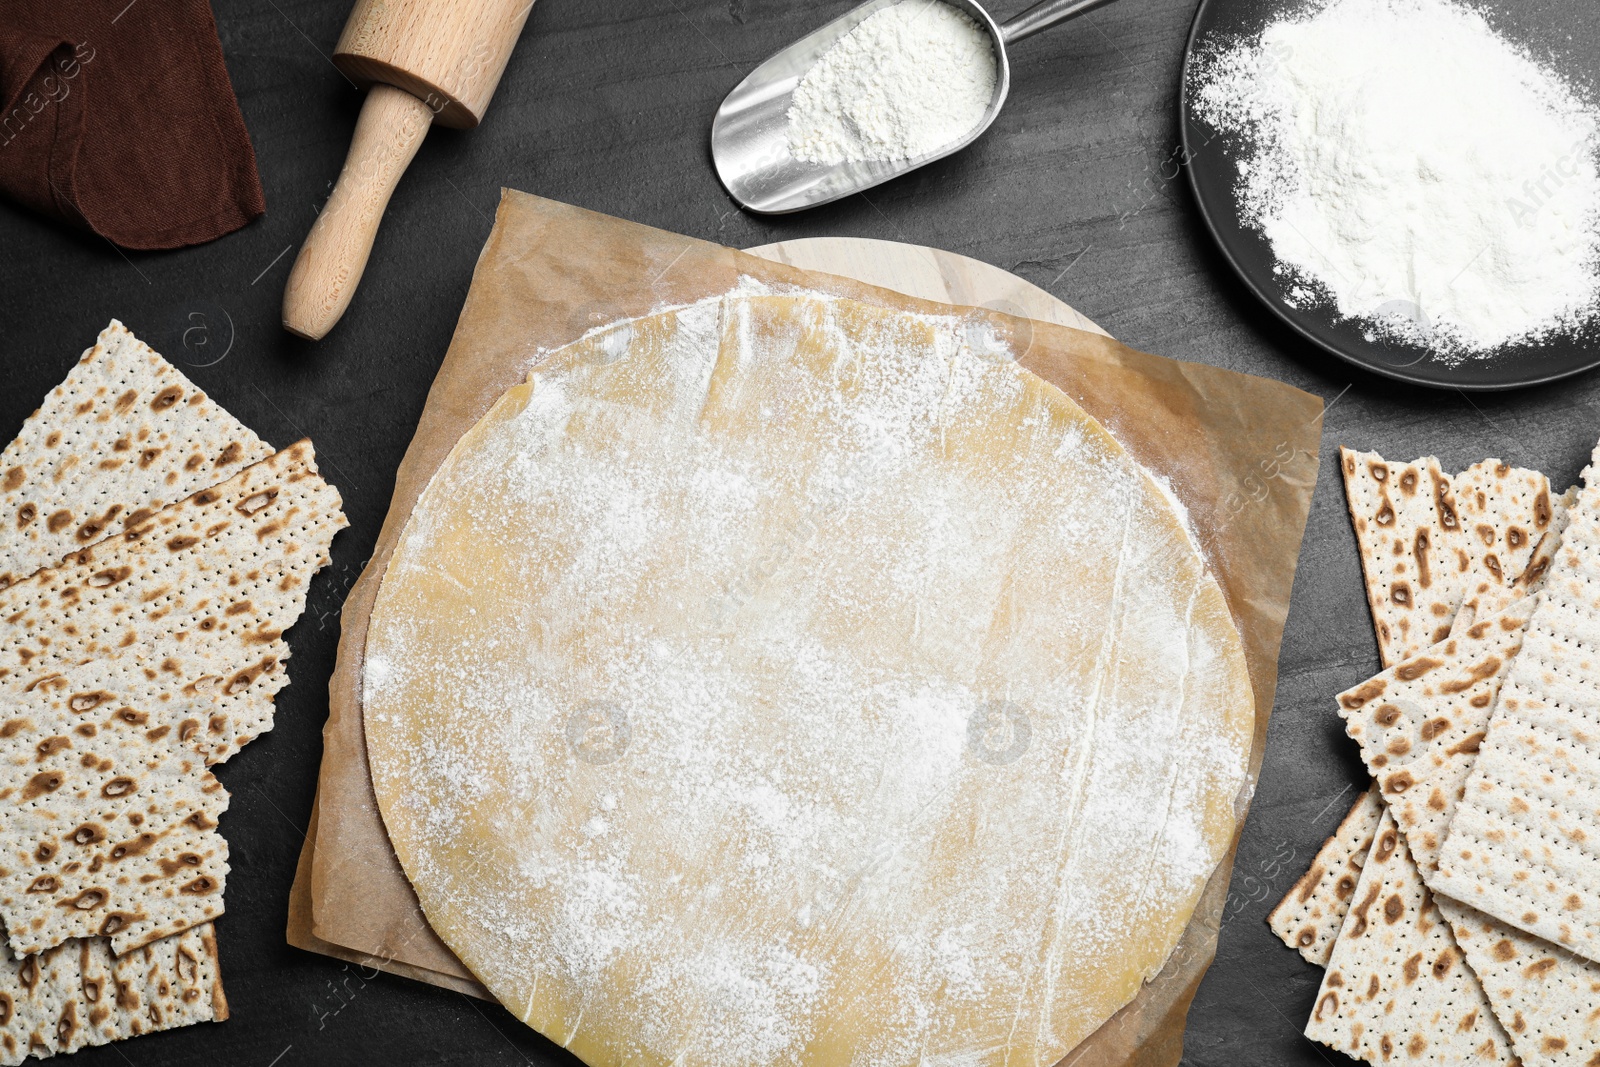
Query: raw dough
[784,680]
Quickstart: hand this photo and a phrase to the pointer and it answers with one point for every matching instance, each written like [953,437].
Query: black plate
[1212,162]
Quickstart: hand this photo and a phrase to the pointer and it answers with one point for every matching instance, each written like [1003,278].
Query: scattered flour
[1411,165]
[908,80]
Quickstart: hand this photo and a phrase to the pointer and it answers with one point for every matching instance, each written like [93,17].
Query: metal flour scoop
[750,140]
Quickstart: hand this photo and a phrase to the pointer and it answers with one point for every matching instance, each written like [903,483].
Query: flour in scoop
[1413,168]
[909,80]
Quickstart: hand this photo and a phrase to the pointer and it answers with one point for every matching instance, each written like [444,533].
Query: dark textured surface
[607,105]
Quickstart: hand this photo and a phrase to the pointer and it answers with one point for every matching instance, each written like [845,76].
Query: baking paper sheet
[1239,453]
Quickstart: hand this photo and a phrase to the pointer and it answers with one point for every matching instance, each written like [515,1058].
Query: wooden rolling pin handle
[329,267]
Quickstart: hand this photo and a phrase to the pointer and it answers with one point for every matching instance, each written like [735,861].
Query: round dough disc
[785,680]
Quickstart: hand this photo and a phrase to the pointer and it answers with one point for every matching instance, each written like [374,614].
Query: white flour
[907,81]
[1415,167]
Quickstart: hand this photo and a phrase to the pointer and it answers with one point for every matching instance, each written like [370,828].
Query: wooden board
[927,273]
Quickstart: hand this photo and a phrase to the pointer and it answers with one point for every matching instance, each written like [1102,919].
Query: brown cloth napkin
[118,117]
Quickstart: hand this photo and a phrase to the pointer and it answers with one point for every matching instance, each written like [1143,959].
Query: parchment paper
[1239,452]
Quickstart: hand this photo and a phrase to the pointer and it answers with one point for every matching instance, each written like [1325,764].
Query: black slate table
[607,104]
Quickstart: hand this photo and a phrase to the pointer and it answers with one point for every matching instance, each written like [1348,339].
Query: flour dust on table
[1415,169]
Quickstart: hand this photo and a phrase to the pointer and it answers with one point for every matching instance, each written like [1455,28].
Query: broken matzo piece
[1396,988]
[1427,540]
[108,817]
[1544,553]
[175,981]
[1504,512]
[124,435]
[202,589]
[1547,999]
[182,692]
[1308,918]
[1405,518]
[1487,599]
[41,1000]
[81,994]
[1413,721]
[1543,996]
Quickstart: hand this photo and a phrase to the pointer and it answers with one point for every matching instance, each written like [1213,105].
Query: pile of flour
[909,80]
[1412,166]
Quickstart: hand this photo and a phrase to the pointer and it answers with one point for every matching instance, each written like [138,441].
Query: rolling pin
[426,62]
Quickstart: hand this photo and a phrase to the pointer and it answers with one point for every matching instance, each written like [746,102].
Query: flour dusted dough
[784,680]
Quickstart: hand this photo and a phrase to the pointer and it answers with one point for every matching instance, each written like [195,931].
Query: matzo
[45,1004]
[1396,985]
[1308,918]
[124,435]
[172,982]
[1504,513]
[1403,514]
[1545,998]
[1500,509]
[1524,845]
[108,817]
[1426,543]
[1413,720]
[201,590]
[81,994]
[1542,995]
[1488,599]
